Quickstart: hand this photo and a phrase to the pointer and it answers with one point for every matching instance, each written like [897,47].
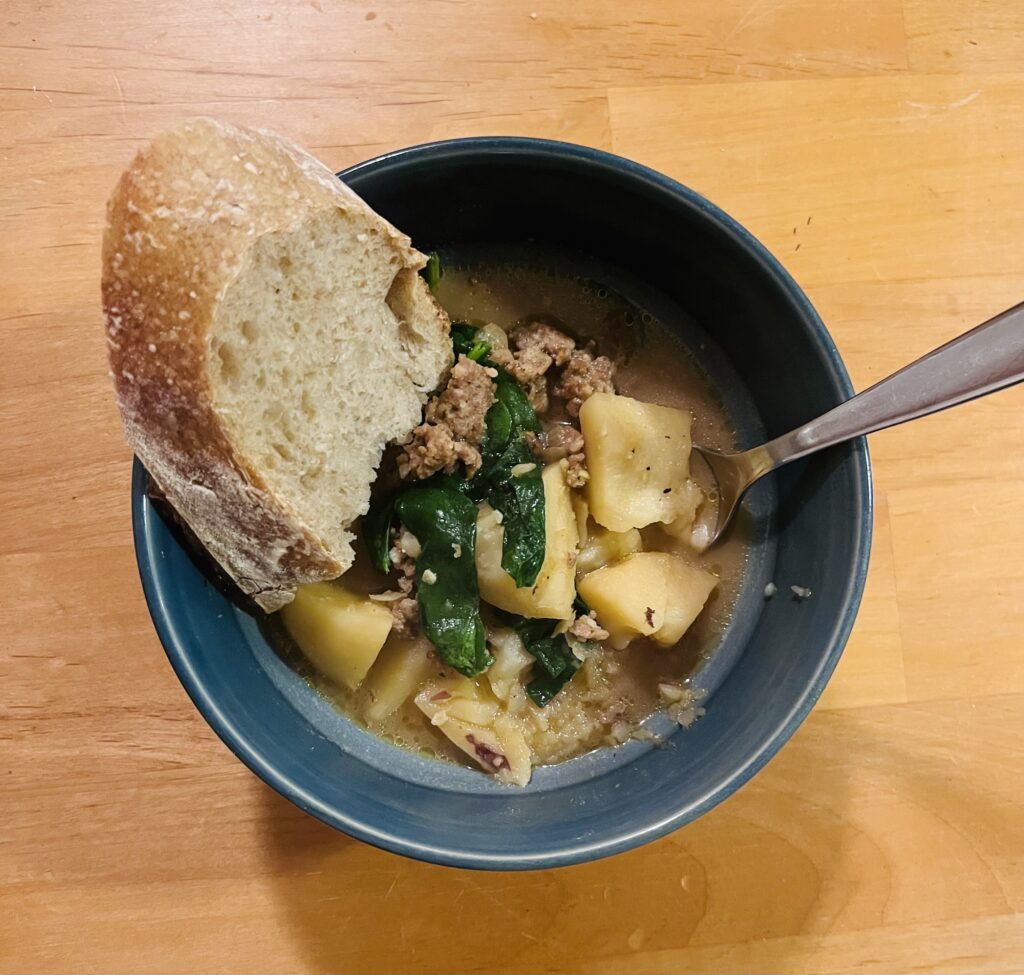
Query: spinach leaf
[508,392]
[465,342]
[444,522]
[553,654]
[531,631]
[519,499]
[433,272]
[521,503]
[441,513]
[376,526]
[462,335]
[497,432]
[445,481]
[544,687]
[557,663]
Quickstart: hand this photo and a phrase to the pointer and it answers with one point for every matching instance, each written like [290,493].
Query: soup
[517,712]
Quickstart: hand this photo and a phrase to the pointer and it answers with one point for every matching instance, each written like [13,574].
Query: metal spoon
[981,361]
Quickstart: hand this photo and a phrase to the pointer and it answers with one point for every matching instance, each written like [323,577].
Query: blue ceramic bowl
[699,271]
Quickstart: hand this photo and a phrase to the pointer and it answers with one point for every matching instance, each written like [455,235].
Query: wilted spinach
[556,661]
[508,392]
[465,342]
[441,512]
[376,525]
[444,522]
[544,687]
[519,497]
[433,272]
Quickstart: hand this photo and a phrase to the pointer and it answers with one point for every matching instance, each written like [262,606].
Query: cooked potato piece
[511,659]
[401,668]
[462,710]
[604,547]
[638,455]
[552,594]
[478,742]
[517,751]
[689,499]
[449,688]
[341,633]
[647,594]
[518,701]
[475,712]
[687,590]
[582,511]
[629,598]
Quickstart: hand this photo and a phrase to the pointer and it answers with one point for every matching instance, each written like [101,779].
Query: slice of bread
[268,335]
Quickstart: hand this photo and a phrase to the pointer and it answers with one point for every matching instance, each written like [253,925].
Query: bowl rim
[222,724]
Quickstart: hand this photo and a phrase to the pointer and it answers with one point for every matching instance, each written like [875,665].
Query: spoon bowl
[730,474]
[986,359]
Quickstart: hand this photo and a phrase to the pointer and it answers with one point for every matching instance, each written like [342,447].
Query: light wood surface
[875,146]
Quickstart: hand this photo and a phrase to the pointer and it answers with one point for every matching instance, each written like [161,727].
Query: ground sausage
[405,616]
[587,629]
[405,612]
[535,348]
[537,442]
[433,449]
[455,425]
[537,336]
[523,368]
[537,396]
[576,473]
[465,401]
[560,441]
[527,368]
[584,374]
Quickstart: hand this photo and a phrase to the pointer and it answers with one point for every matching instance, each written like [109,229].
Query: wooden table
[875,146]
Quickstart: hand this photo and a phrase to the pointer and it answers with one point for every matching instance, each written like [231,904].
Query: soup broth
[614,690]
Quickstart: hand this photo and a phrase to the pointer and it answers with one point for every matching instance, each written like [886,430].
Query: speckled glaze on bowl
[762,342]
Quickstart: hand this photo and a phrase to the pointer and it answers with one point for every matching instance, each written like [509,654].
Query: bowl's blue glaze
[695,267]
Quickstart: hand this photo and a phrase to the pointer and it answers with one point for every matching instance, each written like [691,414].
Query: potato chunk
[469,717]
[511,661]
[339,632]
[517,751]
[648,594]
[401,668]
[604,547]
[582,512]
[687,589]
[638,455]
[552,594]
[690,498]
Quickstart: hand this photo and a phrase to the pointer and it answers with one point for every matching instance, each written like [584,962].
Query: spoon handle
[983,360]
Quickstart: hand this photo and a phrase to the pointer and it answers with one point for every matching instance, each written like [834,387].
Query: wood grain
[874,146]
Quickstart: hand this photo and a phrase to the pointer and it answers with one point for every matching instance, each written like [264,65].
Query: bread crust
[179,225]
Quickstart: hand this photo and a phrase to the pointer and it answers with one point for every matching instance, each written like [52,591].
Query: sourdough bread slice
[268,335]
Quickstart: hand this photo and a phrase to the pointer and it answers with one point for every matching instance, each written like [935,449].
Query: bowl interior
[707,279]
